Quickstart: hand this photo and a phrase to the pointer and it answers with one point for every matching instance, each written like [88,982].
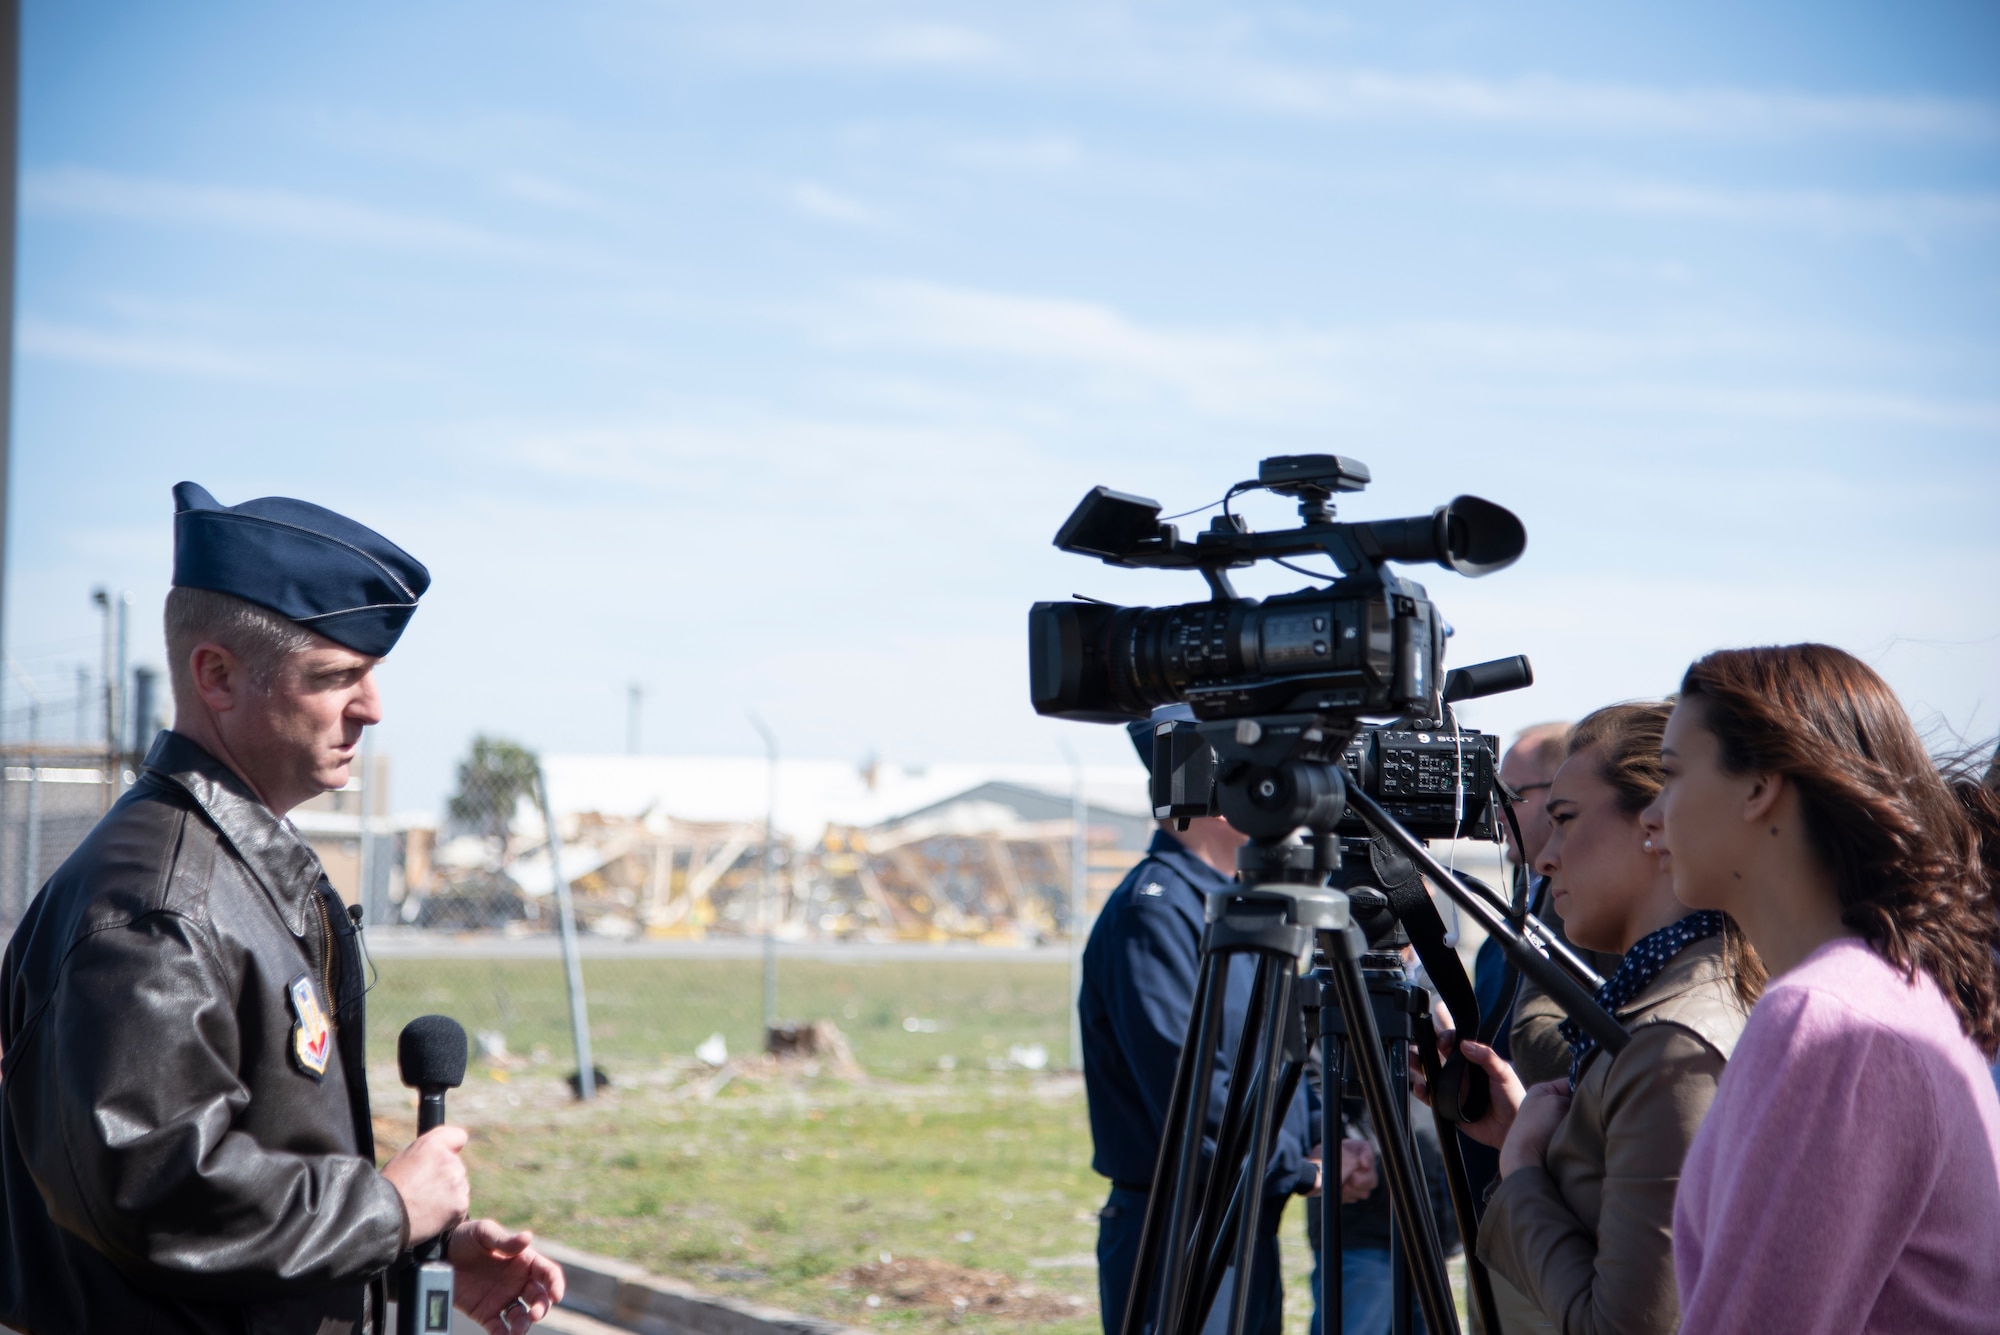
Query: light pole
[123,699]
[105,604]
[101,596]
[770,860]
[635,694]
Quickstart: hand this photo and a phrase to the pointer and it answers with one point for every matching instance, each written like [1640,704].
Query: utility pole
[145,708]
[102,597]
[770,861]
[634,694]
[121,703]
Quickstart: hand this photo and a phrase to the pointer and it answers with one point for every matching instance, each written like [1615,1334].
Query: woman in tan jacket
[1581,1218]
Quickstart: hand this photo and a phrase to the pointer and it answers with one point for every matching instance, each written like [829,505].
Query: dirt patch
[940,1286]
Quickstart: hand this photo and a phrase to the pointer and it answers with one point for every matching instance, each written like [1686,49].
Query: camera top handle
[1471,536]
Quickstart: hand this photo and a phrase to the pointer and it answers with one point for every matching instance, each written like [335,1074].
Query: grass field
[900,1018]
[953,1198]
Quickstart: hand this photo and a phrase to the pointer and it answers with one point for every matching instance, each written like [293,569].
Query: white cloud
[928,44]
[85,192]
[1249,371]
[549,192]
[824,38]
[171,354]
[1035,152]
[1914,214]
[1240,62]
[1599,638]
[820,202]
[1316,375]
[1599,108]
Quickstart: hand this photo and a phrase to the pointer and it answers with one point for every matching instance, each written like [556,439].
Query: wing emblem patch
[312,1036]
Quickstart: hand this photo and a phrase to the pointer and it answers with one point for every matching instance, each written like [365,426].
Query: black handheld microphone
[431,1053]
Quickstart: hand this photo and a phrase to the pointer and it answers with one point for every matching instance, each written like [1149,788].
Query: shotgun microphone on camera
[431,1054]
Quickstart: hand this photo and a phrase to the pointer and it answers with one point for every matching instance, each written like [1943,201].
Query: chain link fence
[53,793]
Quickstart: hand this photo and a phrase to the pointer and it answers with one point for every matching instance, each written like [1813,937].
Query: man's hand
[1357,1171]
[430,1177]
[499,1280]
[1527,1144]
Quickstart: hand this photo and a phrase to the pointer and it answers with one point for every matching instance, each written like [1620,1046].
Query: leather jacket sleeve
[1621,1279]
[127,1131]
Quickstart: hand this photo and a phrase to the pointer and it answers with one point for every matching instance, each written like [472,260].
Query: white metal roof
[811,793]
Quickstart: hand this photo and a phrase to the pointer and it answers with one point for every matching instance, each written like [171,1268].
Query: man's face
[1530,778]
[298,737]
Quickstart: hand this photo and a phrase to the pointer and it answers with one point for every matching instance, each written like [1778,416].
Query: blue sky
[754,352]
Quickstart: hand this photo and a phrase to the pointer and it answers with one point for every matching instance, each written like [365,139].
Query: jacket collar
[266,843]
[1182,859]
[1699,963]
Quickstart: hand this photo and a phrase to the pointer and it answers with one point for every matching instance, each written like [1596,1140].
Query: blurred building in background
[676,848]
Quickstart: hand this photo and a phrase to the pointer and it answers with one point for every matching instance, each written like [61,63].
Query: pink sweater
[1848,1175]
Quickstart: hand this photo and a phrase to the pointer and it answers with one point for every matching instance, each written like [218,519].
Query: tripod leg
[1461,1187]
[1191,1073]
[1218,1258]
[1231,1139]
[1195,1244]
[1331,1048]
[1195,1128]
[1399,1224]
[1250,1223]
[1408,1201]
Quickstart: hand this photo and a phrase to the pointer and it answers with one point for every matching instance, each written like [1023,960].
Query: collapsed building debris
[991,864]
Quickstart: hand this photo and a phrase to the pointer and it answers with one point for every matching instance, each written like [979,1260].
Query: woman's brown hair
[1912,848]
[1628,738]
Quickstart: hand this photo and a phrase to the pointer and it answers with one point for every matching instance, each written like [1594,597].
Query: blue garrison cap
[1140,730]
[300,560]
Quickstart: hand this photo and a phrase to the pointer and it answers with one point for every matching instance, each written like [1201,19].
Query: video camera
[1280,691]
[1371,645]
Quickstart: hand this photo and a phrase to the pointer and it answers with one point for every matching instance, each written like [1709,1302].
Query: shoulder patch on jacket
[312,1036]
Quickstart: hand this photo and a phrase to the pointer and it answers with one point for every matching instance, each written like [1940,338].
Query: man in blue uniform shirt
[1139,974]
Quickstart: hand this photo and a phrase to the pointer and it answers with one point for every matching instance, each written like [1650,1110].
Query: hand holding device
[431,1053]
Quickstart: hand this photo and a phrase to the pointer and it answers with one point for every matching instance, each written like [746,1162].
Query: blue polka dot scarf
[1641,965]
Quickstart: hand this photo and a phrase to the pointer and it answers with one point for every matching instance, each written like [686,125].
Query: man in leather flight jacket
[185,1140]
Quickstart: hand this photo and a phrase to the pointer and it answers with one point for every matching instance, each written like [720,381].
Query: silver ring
[526,1311]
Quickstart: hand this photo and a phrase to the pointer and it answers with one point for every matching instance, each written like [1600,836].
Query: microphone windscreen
[431,1052]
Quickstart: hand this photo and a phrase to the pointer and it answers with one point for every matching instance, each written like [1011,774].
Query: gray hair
[261,638]
[1543,745]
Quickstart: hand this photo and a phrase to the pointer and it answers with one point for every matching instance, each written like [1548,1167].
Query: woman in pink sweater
[1847,1177]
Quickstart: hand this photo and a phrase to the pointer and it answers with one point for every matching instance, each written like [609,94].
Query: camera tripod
[1273,777]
